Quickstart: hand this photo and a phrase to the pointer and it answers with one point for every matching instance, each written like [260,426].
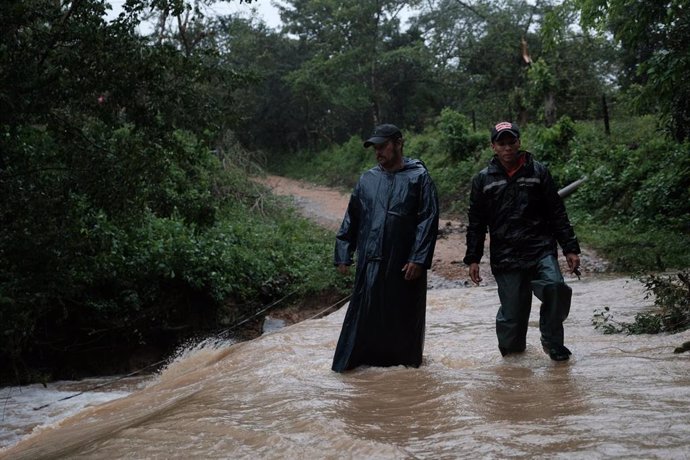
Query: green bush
[671,310]
[633,208]
[455,138]
[553,146]
[134,239]
[337,166]
[662,196]
[128,218]
[451,175]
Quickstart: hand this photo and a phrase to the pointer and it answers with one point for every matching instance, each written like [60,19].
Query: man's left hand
[573,262]
[412,271]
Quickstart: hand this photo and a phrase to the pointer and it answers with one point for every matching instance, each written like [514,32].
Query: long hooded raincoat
[391,219]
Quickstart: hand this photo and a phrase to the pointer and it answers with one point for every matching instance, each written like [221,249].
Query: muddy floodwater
[276,397]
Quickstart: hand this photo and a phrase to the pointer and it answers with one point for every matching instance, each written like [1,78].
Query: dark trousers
[515,289]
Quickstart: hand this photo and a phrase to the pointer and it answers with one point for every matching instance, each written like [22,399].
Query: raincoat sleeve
[427,225]
[346,238]
[558,217]
[477,226]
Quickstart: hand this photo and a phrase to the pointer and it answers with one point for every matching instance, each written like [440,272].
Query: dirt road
[326,206]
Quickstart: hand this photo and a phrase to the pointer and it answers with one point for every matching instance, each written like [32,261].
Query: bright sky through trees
[264,10]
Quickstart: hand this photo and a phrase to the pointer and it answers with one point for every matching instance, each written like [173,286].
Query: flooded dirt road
[276,397]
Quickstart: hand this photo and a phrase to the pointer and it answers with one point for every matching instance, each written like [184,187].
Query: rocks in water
[683,348]
[272,324]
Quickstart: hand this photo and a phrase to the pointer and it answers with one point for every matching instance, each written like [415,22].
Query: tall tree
[354,50]
[269,120]
[478,44]
[573,69]
[653,37]
[105,154]
[513,59]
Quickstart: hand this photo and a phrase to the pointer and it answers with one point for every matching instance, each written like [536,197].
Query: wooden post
[607,129]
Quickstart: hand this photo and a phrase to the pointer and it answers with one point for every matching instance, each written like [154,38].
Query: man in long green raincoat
[392,223]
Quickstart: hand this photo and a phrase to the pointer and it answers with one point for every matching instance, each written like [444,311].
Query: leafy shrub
[671,294]
[139,241]
[634,207]
[455,138]
[451,176]
[337,166]
[663,195]
[552,145]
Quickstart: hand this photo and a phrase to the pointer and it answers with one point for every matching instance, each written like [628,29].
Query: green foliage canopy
[127,215]
[653,37]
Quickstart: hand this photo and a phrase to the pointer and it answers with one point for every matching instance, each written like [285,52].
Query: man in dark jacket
[391,222]
[517,200]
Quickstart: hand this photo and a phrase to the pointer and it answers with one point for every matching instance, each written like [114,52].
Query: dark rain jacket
[391,219]
[524,214]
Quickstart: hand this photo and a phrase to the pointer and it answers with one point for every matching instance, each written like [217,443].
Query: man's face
[389,153]
[506,147]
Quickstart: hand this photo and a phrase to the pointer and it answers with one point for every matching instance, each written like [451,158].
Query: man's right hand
[343,269]
[474,273]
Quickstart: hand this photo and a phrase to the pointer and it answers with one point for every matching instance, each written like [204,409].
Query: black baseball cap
[504,127]
[382,133]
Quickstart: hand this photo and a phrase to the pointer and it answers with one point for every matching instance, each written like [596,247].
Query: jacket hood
[408,165]
[411,163]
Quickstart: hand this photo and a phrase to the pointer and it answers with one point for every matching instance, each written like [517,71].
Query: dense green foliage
[654,54]
[634,206]
[128,218]
[636,203]
[335,69]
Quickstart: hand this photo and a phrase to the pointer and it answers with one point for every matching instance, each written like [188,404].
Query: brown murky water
[275,397]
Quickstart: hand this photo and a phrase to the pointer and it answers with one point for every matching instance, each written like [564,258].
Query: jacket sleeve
[346,238]
[427,225]
[558,217]
[477,223]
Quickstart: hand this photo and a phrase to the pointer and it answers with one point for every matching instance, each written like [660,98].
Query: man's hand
[573,263]
[412,271]
[474,273]
[343,269]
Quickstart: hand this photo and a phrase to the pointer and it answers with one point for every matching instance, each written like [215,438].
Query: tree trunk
[550,109]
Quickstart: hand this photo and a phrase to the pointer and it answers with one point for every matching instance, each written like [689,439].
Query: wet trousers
[515,289]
